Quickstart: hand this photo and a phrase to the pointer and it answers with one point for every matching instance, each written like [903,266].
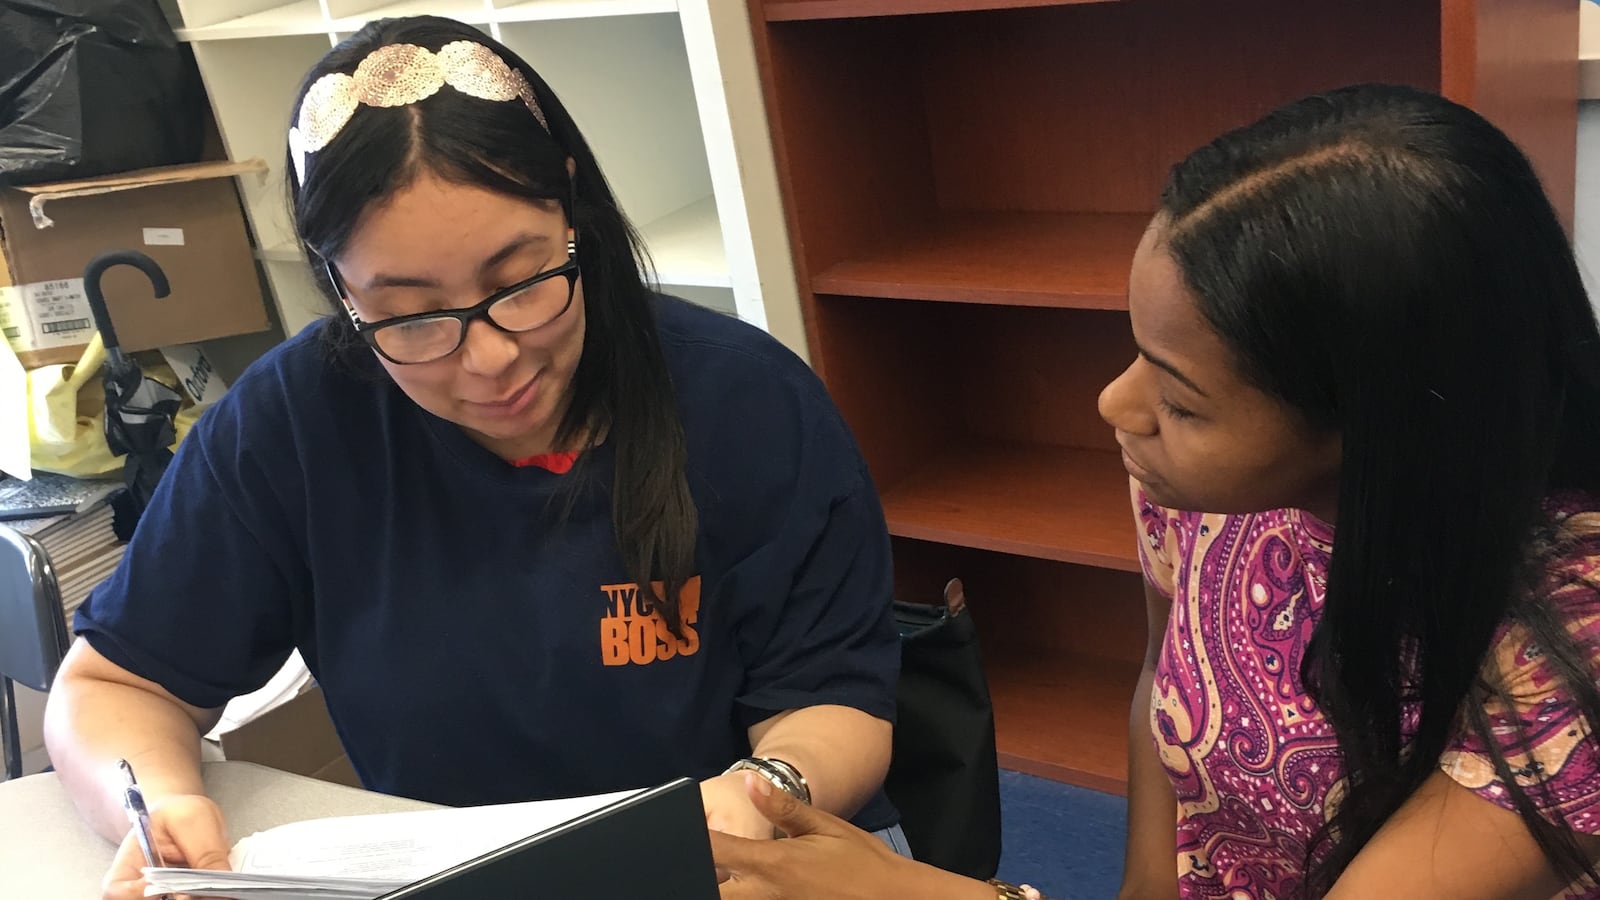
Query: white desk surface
[48,853]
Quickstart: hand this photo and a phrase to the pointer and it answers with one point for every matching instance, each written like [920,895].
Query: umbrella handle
[97,299]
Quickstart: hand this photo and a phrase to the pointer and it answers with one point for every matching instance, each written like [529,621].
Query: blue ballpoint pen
[139,817]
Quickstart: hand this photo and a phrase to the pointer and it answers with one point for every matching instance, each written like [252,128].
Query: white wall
[1587,226]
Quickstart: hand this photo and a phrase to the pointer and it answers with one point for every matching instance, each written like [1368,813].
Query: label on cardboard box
[196,373]
[46,315]
[12,319]
[163,237]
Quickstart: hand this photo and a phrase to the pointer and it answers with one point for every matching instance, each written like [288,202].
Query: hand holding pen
[167,830]
[139,817]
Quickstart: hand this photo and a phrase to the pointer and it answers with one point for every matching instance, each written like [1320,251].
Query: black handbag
[945,778]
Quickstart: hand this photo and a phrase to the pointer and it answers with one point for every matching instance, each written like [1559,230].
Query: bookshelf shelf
[1044,502]
[1068,260]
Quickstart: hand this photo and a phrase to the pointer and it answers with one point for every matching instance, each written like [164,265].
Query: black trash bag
[945,777]
[93,87]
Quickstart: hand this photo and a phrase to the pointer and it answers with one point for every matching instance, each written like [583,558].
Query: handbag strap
[955,597]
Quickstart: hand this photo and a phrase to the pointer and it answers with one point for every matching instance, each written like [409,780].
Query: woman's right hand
[189,832]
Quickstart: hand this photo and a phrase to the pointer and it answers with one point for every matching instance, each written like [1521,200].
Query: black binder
[650,846]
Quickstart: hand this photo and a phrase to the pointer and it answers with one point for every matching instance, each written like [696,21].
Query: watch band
[802,790]
[1007,891]
[782,775]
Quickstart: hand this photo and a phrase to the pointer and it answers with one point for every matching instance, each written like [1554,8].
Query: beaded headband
[400,75]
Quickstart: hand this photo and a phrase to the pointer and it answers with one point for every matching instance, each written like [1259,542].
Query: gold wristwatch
[1006,891]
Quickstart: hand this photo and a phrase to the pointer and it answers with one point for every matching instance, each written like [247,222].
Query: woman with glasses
[536,530]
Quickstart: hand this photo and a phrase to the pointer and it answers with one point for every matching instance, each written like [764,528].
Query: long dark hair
[1386,263]
[622,390]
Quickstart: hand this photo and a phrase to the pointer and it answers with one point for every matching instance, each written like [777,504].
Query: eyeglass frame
[480,310]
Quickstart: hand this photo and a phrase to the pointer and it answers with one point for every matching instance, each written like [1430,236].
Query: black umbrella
[140,411]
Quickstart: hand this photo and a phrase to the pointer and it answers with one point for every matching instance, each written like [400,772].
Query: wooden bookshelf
[1041,502]
[799,10]
[1053,717]
[1069,260]
[965,182]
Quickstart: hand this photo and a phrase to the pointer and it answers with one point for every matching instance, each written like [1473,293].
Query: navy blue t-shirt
[477,642]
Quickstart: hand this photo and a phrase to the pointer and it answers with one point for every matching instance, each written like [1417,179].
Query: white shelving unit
[665,90]
[1586,225]
[1588,50]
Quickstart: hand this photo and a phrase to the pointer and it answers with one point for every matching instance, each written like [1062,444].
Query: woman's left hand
[824,857]
[729,809]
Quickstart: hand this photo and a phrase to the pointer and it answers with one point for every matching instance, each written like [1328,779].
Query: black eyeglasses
[528,305]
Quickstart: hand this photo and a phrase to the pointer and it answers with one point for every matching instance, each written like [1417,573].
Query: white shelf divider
[719,299]
[283,19]
[298,300]
[546,10]
[284,253]
[1588,50]
[201,14]
[637,109]
[349,15]
[252,84]
[686,247]
[744,173]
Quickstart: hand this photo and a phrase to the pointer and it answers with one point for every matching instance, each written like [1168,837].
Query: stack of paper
[82,547]
[363,857]
[84,551]
[283,887]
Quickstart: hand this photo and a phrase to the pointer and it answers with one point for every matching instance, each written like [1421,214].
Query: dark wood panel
[848,140]
[1086,107]
[796,10]
[921,568]
[847,113]
[1516,62]
[1063,718]
[891,373]
[1048,608]
[1063,646]
[1034,376]
[936,376]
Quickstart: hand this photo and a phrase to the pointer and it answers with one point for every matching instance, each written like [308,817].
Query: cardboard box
[187,218]
[296,737]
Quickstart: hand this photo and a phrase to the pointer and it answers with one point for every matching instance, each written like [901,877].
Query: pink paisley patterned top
[1252,760]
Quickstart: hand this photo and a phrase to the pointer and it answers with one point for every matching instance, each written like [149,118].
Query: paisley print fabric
[1253,762]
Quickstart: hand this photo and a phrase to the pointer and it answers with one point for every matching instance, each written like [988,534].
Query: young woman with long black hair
[1364,433]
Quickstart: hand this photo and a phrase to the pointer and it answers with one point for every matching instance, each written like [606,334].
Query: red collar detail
[559,463]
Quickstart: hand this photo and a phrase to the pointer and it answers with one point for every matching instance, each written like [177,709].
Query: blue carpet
[1063,840]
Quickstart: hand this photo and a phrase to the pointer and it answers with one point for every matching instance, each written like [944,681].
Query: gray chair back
[33,631]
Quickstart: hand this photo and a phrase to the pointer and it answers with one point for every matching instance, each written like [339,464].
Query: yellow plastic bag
[67,409]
